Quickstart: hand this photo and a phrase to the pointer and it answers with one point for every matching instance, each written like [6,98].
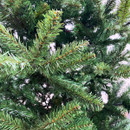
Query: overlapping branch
[9,43]
[71,57]
[7,122]
[122,71]
[67,51]
[82,122]
[109,6]
[61,118]
[47,30]
[123,11]
[12,65]
[77,91]
[15,110]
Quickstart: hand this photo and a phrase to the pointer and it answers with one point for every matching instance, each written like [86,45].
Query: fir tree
[75,74]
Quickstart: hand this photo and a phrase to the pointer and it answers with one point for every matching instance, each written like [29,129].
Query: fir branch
[122,124]
[82,122]
[82,60]
[47,31]
[70,57]
[62,65]
[61,117]
[13,65]
[66,51]
[16,110]
[10,43]
[98,4]
[123,71]
[123,11]
[71,4]
[8,123]
[109,6]
[77,91]
[102,69]
[41,9]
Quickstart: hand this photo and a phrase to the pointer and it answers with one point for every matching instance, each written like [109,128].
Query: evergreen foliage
[7,122]
[75,74]
[124,10]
